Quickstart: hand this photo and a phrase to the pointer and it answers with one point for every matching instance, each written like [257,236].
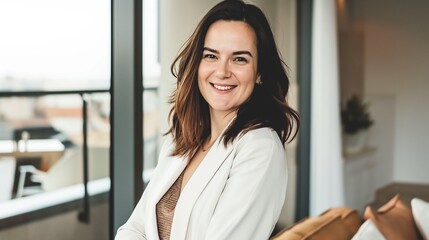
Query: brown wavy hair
[267,105]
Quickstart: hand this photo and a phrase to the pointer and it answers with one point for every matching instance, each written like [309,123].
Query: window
[55,55]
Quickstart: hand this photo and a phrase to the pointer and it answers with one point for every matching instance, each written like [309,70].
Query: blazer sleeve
[251,201]
[134,228]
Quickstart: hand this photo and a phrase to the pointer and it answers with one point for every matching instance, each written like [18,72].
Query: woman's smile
[223,88]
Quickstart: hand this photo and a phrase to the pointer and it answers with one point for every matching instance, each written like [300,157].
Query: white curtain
[326,171]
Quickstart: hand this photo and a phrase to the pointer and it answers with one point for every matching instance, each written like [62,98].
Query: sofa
[399,217]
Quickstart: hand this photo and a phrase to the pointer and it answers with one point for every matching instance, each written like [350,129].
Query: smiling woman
[222,169]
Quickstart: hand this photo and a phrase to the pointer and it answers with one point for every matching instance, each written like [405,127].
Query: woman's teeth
[223,88]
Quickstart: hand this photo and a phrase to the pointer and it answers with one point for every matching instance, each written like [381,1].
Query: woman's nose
[223,70]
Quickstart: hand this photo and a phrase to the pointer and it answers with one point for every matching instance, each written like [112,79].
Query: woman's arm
[134,228]
[250,204]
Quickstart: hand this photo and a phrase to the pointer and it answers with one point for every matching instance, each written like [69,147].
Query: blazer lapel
[169,173]
[196,184]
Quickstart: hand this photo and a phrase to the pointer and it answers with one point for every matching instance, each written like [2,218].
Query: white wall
[382,137]
[285,27]
[396,70]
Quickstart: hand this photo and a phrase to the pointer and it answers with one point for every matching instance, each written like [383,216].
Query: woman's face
[228,70]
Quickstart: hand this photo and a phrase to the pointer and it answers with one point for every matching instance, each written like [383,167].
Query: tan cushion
[321,227]
[394,220]
[296,231]
[285,234]
[334,228]
[303,228]
[349,216]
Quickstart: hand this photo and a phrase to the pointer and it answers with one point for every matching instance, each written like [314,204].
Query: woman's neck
[218,122]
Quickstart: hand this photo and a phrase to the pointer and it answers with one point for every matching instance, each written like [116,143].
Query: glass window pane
[151,79]
[49,46]
[62,42]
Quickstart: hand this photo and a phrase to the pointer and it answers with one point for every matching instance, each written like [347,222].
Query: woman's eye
[209,56]
[240,59]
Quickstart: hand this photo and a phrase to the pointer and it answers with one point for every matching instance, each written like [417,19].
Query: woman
[222,170]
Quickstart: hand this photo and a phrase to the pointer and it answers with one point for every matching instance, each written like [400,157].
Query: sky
[59,40]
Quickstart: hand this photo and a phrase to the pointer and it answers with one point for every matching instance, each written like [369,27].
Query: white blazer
[237,192]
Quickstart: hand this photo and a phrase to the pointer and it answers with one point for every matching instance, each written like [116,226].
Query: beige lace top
[165,209]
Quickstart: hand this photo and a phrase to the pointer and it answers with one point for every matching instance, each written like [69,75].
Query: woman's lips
[223,87]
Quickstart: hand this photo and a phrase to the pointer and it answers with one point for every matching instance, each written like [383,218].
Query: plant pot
[354,143]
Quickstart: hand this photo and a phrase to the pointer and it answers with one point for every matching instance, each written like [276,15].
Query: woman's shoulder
[261,146]
[166,147]
[260,137]
[260,133]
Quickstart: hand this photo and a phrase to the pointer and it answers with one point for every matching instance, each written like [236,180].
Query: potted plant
[356,121]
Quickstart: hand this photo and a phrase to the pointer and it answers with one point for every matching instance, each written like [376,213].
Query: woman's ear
[258,80]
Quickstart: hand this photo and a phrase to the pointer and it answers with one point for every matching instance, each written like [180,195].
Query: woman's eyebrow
[234,53]
[211,50]
[242,52]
